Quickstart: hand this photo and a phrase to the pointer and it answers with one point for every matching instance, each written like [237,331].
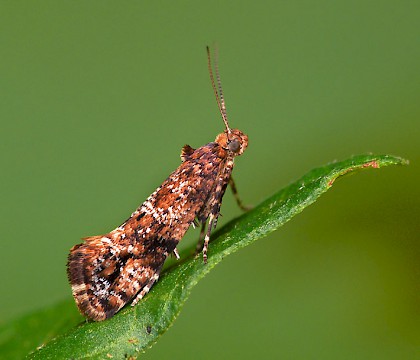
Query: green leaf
[52,334]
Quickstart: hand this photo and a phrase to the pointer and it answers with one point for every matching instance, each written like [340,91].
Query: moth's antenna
[219,84]
[218,91]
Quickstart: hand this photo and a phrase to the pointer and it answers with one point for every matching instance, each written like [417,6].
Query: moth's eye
[234,145]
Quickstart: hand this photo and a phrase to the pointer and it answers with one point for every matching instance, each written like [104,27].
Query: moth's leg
[216,219]
[237,198]
[212,218]
[201,238]
[175,252]
[146,288]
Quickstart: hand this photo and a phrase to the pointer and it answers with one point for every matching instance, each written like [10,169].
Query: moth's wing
[106,275]
[183,195]
[108,271]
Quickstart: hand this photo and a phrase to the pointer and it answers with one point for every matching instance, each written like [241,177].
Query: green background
[97,98]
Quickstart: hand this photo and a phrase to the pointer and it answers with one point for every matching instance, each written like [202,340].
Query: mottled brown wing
[108,271]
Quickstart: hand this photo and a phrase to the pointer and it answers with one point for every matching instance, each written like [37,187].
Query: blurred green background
[97,99]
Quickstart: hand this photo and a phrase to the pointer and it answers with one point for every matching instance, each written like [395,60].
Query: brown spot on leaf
[372,163]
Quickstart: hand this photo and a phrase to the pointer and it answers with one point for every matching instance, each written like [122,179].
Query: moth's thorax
[234,141]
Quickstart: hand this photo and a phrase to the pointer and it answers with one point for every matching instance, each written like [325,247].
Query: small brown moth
[108,271]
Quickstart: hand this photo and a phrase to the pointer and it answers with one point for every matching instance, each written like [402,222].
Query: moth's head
[233,140]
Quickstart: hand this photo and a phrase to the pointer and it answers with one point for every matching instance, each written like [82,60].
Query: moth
[108,271]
